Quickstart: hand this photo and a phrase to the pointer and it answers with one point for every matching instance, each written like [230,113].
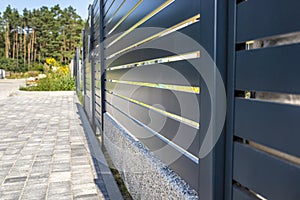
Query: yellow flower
[51,61]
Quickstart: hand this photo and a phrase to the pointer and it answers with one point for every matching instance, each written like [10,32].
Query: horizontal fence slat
[239,194]
[183,40]
[113,9]
[139,55]
[182,165]
[98,123]
[174,73]
[87,105]
[273,69]
[166,18]
[98,101]
[98,115]
[112,19]
[260,19]
[96,3]
[264,174]
[98,93]
[174,43]
[108,4]
[181,134]
[96,27]
[179,103]
[96,18]
[98,77]
[271,124]
[98,112]
[139,13]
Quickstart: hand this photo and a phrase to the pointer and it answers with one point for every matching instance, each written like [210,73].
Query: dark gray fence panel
[88,70]
[77,70]
[271,124]
[179,133]
[151,74]
[267,175]
[96,52]
[274,69]
[260,19]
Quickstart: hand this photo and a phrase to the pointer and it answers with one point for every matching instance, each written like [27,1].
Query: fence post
[102,65]
[214,40]
[230,100]
[83,64]
[93,99]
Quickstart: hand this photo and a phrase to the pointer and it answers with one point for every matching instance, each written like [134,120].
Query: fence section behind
[265,127]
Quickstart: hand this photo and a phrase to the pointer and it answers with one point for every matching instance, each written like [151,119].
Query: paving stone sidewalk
[44,153]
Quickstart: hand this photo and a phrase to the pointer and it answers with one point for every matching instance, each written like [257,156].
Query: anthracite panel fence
[264,131]
[145,64]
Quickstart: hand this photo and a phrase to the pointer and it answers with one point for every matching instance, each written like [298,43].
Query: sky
[81,6]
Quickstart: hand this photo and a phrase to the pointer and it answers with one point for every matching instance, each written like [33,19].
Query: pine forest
[29,37]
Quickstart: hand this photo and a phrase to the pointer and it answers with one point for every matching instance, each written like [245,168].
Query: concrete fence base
[145,176]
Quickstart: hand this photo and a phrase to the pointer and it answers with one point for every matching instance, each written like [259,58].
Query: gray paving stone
[33,196]
[60,176]
[37,181]
[43,149]
[18,186]
[15,179]
[10,195]
[60,188]
[41,169]
[87,196]
[35,192]
[61,167]
[16,173]
[61,197]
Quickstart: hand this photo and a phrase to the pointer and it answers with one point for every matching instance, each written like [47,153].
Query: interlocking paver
[43,149]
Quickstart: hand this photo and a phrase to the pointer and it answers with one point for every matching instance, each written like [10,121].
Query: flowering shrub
[63,70]
[58,78]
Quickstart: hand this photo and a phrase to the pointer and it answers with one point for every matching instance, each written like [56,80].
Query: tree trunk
[35,49]
[17,45]
[65,45]
[14,46]
[21,43]
[34,57]
[40,50]
[7,41]
[29,50]
[61,57]
[24,44]
[32,43]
